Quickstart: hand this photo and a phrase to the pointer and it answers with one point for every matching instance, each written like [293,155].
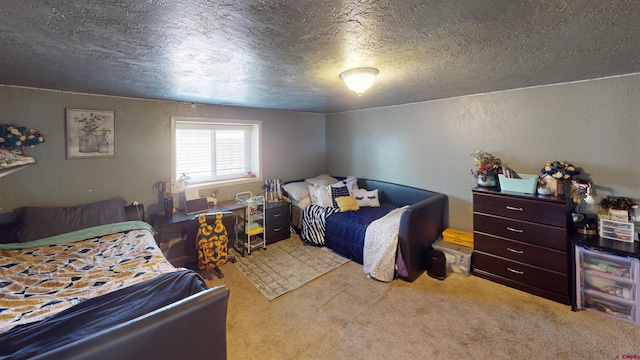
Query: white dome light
[359,79]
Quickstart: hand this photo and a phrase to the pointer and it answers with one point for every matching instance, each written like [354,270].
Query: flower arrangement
[618,203]
[561,170]
[486,163]
[13,136]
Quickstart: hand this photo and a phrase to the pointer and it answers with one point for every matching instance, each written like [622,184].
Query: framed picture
[90,134]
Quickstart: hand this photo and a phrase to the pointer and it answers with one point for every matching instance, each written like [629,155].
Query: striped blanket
[314,223]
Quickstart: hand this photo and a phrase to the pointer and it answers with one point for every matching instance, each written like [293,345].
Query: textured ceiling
[282,54]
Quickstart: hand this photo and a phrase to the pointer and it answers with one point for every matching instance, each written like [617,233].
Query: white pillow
[352,183]
[302,204]
[320,195]
[297,190]
[367,198]
[322,179]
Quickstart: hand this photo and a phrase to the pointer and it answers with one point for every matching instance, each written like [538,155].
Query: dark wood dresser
[520,241]
[277,220]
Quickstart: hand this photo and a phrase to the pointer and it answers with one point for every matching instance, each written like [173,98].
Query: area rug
[286,266]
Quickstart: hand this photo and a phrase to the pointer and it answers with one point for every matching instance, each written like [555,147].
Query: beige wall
[293,147]
[594,124]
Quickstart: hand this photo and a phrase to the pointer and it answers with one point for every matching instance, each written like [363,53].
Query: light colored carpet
[345,315]
[286,265]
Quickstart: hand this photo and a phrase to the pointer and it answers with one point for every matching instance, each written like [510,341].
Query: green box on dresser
[520,240]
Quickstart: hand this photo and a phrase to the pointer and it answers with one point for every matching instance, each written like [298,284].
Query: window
[211,151]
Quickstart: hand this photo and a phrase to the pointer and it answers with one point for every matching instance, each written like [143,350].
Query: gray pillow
[41,222]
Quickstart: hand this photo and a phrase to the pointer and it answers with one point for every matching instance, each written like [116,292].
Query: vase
[486,180]
[88,143]
[103,147]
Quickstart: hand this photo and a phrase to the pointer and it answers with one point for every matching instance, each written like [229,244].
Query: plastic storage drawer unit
[458,257]
[607,284]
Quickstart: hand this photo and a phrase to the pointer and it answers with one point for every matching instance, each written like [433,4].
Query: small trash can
[436,264]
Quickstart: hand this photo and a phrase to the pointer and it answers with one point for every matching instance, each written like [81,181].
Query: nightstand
[277,221]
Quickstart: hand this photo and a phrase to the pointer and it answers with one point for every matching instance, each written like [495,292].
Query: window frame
[255,150]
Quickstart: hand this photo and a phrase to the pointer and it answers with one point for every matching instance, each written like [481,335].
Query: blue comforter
[346,230]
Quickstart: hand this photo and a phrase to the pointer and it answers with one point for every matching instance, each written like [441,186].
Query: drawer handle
[516,271]
[515,251]
[277,229]
[278,214]
[514,230]
[514,208]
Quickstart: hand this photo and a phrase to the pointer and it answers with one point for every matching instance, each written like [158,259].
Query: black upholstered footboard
[191,328]
[420,226]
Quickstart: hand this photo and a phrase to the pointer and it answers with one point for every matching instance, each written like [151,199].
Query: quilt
[38,282]
[380,246]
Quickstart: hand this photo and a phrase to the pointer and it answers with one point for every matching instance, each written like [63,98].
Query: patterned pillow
[367,198]
[320,195]
[338,191]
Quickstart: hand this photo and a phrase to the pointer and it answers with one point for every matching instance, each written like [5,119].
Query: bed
[409,217]
[89,282]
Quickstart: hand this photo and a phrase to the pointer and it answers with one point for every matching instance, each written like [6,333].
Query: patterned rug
[286,266]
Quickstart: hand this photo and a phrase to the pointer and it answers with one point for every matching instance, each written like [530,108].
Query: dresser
[520,241]
[277,221]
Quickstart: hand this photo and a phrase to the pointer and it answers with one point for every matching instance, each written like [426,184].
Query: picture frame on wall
[90,134]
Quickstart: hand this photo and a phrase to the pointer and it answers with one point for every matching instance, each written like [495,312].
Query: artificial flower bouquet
[486,163]
[14,136]
[561,170]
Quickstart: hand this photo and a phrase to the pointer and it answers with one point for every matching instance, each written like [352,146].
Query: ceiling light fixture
[359,79]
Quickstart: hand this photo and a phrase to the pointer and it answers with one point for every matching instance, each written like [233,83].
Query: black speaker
[436,264]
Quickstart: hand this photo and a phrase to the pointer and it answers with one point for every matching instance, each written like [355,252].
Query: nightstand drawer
[522,209]
[522,273]
[522,252]
[277,214]
[278,231]
[538,234]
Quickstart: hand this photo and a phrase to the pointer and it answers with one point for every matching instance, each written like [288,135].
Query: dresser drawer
[277,214]
[522,273]
[530,254]
[543,212]
[538,234]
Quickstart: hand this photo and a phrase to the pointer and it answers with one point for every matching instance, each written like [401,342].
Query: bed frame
[193,327]
[420,225]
